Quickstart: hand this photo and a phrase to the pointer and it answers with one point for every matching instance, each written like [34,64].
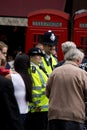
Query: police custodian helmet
[35,51]
[49,38]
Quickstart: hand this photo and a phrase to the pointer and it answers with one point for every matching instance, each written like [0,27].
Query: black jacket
[9,112]
[60,63]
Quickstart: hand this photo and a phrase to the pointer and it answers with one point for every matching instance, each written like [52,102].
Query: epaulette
[46,60]
[33,69]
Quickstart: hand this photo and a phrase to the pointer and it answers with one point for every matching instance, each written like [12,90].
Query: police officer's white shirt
[20,92]
[37,66]
[48,56]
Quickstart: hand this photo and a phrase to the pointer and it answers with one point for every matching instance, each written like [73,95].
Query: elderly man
[67,93]
[66,46]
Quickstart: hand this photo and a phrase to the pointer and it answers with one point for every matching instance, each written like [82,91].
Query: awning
[21,8]
[15,12]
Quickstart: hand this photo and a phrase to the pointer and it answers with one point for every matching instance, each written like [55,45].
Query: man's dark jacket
[9,112]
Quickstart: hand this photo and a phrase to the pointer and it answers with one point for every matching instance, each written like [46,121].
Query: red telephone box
[80,31]
[43,20]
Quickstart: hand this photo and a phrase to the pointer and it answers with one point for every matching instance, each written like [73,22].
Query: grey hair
[74,54]
[66,46]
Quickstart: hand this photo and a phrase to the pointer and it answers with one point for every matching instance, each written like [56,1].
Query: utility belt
[38,109]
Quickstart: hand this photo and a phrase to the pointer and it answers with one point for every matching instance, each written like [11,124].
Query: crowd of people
[39,92]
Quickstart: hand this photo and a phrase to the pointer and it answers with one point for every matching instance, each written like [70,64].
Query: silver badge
[52,37]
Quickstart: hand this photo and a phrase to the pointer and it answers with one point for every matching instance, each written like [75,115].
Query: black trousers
[65,125]
[36,121]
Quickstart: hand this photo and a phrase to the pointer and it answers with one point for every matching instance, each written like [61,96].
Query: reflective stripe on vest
[37,88]
[38,95]
[42,80]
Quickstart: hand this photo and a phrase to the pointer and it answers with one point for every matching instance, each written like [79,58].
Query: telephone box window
[37,39]
[40,38]
[83,41]
[34,40]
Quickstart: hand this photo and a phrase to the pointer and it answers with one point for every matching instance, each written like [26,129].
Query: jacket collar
[71,62]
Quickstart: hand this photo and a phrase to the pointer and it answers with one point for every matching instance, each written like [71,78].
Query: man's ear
[79,61]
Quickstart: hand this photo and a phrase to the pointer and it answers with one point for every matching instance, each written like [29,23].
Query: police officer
[38,109]
[49,61]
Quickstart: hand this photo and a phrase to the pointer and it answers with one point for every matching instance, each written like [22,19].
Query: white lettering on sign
[83,25]
[52,24]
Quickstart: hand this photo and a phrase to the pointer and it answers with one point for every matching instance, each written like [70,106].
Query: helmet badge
[52,37]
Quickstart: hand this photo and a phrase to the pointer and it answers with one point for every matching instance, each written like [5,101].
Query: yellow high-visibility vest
[47,65]
[39,101]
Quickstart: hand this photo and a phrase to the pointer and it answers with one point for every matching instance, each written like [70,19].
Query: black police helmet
[49,38]
[35,51]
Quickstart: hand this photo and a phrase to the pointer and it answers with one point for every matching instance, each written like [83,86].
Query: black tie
[42,68]
[50,60]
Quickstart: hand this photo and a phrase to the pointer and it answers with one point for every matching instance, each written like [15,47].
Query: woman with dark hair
[22,83]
